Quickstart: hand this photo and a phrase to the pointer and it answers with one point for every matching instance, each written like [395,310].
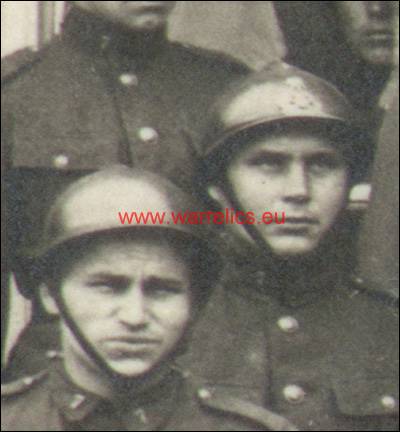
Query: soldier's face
[369,28]
[135,15]
[131,300]
[296,173]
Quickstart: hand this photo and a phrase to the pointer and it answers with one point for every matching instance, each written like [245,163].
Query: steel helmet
[280,94]
[95,205]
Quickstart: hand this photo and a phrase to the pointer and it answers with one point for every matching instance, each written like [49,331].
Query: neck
[93,32]
[289,278]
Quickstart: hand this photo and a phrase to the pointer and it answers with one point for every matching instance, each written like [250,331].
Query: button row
[145,134]
[128,79]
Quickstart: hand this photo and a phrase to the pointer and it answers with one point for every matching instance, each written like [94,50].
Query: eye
[107,286]
[325,163]
[269,161]
[162,289]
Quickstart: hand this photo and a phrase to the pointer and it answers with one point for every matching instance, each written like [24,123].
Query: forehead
[290,142]
[351,6]
[131,257]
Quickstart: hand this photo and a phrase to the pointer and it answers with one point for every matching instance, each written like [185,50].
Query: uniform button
[61,161]
[28,381]
[288,324]
[51,354]
[128,79]
[140,413]
[389,402]
[204,394]
[359,280]
[147,134]
[76,401]
[294,394]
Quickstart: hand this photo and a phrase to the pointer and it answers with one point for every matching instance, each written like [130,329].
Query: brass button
[140,413]
[147,134]
[28,381]
[204,394]
[359,281]
[294,394]
[388,402]
[288,324]
[76,401]
[61,161]
[52,354]
[128,79]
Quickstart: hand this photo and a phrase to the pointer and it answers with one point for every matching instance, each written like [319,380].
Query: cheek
[85,306]
[173,314]
[331,195]
[253,189]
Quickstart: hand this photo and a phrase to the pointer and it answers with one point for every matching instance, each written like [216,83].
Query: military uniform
[96,96]
[313,345]
[49,401]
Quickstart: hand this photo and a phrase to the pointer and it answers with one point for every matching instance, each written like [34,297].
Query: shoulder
[224,401]
[383,300]
[23,67]
[209,58]
[21,385]
[18,64]
[225,407]
[21,401]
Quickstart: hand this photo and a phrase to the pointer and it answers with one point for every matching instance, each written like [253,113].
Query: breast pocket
[370,403]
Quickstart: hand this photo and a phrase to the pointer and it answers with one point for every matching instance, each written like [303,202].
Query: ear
[48,301]
[218,195]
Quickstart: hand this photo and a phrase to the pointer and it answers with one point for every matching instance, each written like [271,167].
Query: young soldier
[126,296]
[314,345]
[110,89]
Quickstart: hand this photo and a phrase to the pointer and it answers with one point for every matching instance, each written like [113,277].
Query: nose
[296,184]
[132,310]
[379,9]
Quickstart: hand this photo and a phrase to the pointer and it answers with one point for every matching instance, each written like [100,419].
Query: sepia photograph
[199,215]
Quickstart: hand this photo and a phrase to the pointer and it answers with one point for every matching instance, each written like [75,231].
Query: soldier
[125,296]
[314,345]
[359,33]
[110,89]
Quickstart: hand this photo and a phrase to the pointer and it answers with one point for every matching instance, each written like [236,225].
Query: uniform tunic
[314,345]
[50,402]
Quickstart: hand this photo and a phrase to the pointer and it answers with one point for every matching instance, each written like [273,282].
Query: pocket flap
[368,397]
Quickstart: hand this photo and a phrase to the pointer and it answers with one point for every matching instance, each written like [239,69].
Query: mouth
[379,37]
[300,221]
[297,226]
[131,344]
[128,348]
[150,7]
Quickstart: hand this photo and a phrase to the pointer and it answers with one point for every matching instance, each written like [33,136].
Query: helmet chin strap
[90,351]
[249,228]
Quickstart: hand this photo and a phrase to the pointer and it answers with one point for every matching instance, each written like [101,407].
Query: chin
[293,248]
[131,371]
[379,56]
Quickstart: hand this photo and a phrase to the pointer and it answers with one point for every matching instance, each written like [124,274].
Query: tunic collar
[149,410]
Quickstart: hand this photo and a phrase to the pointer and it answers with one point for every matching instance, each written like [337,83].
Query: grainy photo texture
[199,215]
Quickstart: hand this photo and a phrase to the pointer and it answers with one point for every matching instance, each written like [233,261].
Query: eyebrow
[121,279]
[171,282]
[115,278]
[264,153]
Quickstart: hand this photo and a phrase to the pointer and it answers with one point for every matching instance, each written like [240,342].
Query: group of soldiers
[186,326]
